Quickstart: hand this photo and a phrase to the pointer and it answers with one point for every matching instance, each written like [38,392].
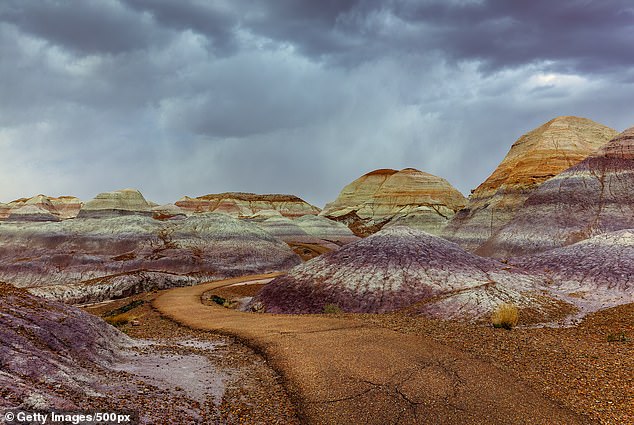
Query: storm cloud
[192,97]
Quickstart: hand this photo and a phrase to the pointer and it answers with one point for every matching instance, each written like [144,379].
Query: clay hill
[246,204]
[420,199]
[114,248]
[593,197]
[534,158]
[41,208]
[399,268]
[593,274]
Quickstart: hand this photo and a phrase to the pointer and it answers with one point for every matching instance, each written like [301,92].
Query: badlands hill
[240,204]
[419,199]
[534,158]
[401,267]
[593,197]
[116,203]
[93,259]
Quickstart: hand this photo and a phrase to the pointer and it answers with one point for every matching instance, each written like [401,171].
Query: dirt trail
[342,371]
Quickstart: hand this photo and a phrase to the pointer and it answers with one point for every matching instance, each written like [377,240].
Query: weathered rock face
[534,158]
[41,208]
[246,204]
[44,344]
[594,274]
[119,202]
[402,267]
[92,259]
[413,196]
[593,197]
[168,212]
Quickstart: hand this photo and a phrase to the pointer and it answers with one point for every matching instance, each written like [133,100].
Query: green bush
[332,309]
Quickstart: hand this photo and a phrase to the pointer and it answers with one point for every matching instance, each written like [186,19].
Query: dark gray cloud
[193,97]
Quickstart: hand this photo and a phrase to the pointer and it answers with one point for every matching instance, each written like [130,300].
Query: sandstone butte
[241,205]
[41,208]
[420,199]
[404,268]
[593,197]
[534,158]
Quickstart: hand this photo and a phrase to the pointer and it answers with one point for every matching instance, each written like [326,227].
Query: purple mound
[593,274]
[398,268]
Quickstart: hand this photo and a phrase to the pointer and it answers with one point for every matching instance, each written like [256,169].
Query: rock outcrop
[376,198]
[594,274]
[243,205]
[534,158]
[116,203]
[399,268]
[593,197]
[93,259]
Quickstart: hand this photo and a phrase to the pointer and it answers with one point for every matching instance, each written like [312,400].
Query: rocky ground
[251,392]
[586,368]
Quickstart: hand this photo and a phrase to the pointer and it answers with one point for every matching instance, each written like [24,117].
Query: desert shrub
[125,308]
[505,316]
[119,320]
[218,300]
[332,309]
[617,337]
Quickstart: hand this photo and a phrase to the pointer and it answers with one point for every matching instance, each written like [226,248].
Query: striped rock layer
[419,199]
[595,273]
[534,158]
[94,259]
[399,268]
[242,205]
[593,197]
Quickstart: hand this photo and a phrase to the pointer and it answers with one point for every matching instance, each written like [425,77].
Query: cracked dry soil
[348,370]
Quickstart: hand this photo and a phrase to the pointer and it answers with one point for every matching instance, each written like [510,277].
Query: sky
[190,97]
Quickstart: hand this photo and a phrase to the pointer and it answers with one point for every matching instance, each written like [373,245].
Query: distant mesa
[399,268]
[593,197]
[534,158]
[594,274]
[243,205]
[116,203]
[41,208]
[408,196]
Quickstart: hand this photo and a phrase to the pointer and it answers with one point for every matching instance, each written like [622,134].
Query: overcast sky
[189,97]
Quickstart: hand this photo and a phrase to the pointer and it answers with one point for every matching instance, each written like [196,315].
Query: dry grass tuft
[505,316]
[120,319]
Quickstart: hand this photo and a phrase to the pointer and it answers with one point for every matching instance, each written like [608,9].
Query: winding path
[341,371]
